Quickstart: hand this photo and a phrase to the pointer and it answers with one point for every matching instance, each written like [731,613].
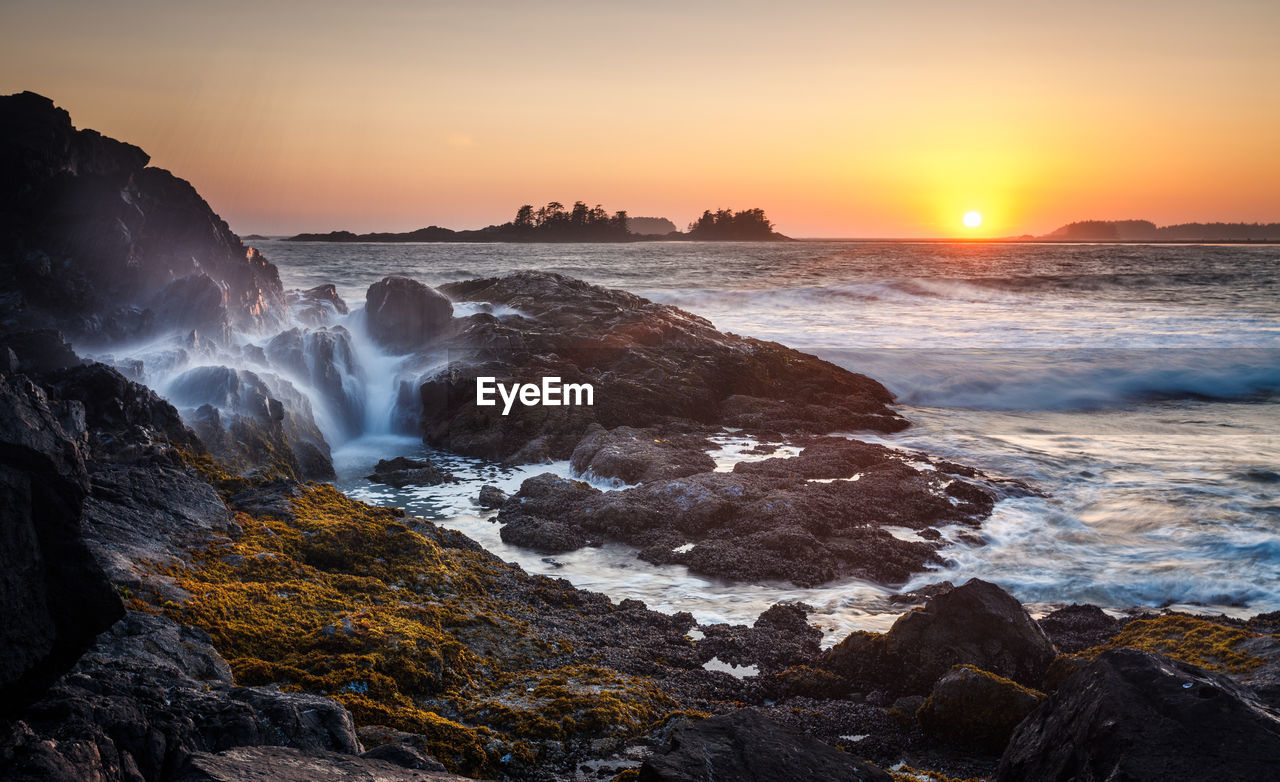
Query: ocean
[1135,387]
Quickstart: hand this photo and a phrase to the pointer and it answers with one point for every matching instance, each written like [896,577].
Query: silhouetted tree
[725,224]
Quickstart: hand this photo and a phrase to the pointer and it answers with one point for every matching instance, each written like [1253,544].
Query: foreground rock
[1139,716]
[976,710]
[975,624]
[148,695]
[649,365]
[808,520]
[55,596]
[281,764]
[749,747]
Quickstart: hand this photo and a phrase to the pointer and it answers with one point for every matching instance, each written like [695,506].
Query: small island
[580,223]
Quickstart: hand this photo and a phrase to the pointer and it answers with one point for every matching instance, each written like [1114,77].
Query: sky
[839,119]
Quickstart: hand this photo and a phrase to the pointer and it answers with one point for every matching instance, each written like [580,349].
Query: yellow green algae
[345,599]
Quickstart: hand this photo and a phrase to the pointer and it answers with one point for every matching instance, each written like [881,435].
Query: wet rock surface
[403,315]
[1139,716]
[253,421]
[649,365]
[975,624]
[403,471]
[635,455]
[809,519]
[324,360]
[748,746]
[316,307]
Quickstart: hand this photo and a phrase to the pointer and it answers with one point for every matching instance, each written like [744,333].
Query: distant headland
[1147,231]
[580,223]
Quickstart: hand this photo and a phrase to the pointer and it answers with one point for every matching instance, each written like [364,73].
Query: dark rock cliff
[95,242]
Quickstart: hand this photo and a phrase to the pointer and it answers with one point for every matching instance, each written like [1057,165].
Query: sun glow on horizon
[972,219]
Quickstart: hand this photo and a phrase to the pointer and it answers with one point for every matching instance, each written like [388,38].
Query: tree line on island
[580,223]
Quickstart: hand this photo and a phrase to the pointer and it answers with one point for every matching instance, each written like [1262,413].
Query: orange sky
[837,118]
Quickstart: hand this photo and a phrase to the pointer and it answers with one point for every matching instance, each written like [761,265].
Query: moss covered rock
[974,708]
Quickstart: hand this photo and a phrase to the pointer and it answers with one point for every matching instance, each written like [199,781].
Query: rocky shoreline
[186,602]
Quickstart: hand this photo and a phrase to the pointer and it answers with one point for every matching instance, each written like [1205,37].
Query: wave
[1066,379]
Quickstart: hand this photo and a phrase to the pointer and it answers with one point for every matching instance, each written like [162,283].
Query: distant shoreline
[812,239]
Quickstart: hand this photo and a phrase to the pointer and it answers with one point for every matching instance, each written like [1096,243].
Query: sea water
[1136,387]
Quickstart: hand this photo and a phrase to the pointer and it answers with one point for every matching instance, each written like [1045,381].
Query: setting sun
[972,219]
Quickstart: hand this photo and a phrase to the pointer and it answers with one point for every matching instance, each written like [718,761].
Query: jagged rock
[254,421]
[769,521]
[1075,628]
[281,764]
[976,710]
[641,455]
[324,360]
[54,595]
[120,413]
[403,471]
[748,747]
[195,302]
[649,364]
[116,231]
[403,314]
[977,624]
[146,696]
[1138,716]
[40,350]
[149,512]
[316,307]
[491,497]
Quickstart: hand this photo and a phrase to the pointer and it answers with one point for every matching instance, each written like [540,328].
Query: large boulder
[1139,717]
[120,413]
[54,595]
[147,696]
[976,710]
[746,746]
[649,365]
[975,624]
[403,314]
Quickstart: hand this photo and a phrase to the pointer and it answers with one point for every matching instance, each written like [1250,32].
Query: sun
[972,219]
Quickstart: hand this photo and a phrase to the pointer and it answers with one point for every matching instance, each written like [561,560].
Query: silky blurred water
[1136,386]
